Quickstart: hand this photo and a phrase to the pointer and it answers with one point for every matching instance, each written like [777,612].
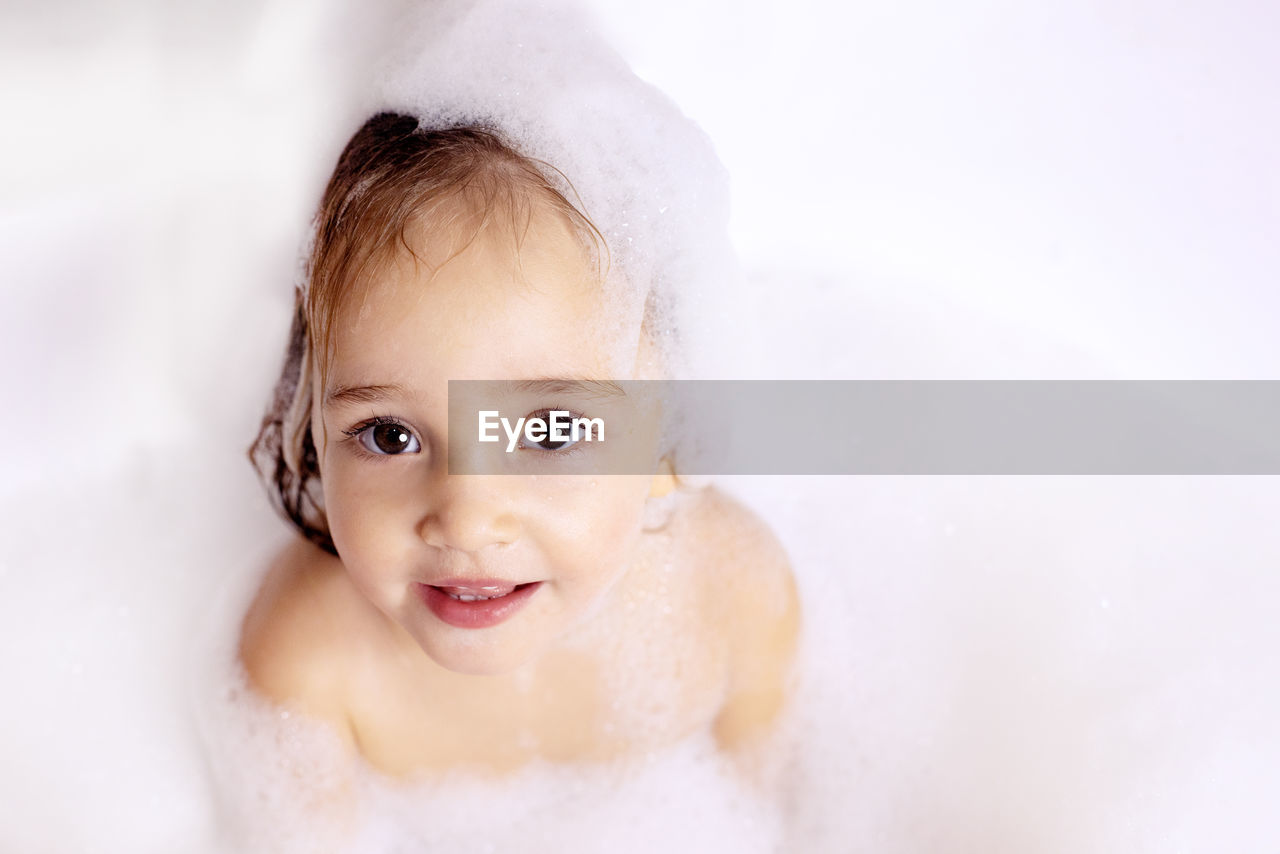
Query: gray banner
[868,427]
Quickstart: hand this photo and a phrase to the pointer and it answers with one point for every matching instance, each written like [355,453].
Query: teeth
[471,594]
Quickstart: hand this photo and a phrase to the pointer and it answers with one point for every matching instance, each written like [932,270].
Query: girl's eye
[386,439]
[563,438]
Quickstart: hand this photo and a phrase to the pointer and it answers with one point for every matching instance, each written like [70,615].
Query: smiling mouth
[476,605]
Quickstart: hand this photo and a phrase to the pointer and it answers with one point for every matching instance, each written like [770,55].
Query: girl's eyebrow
[343,395]
[586,388]
[347,395]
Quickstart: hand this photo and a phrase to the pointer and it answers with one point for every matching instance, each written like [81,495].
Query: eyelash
[353,435]
[544,413]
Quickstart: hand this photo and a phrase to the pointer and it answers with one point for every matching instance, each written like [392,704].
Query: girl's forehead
[533,229]
[493,307]
[502,252]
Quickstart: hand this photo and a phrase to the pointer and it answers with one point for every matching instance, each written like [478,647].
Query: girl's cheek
[604,498]
[572,516]
[613,513]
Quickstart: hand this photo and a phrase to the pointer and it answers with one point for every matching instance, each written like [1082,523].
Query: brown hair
[391,174]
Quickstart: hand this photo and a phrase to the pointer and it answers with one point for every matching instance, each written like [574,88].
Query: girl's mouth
[473,605]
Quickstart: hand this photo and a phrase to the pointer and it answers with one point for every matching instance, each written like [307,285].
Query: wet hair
[392,174]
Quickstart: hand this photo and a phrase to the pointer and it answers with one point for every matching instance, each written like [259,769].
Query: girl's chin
[473,664]
[481,656]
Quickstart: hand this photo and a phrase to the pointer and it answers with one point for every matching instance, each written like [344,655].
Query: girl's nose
[470,512]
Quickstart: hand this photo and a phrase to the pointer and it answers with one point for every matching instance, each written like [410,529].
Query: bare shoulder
[750,576]
[740,554]
[290,639]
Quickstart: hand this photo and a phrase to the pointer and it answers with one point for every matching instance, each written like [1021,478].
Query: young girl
[446,621]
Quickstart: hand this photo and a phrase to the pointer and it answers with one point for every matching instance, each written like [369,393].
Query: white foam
[274,762]
[644,173]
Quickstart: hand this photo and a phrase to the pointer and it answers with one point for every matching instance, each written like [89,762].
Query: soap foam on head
[622,151]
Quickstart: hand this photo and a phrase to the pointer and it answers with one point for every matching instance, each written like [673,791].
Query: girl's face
[414,539]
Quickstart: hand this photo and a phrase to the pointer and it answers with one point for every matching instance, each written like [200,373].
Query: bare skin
[707,642]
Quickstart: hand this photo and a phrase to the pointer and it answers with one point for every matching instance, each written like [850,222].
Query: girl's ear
[664,480]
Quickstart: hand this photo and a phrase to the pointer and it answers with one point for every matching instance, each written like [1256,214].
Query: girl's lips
[480,613]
